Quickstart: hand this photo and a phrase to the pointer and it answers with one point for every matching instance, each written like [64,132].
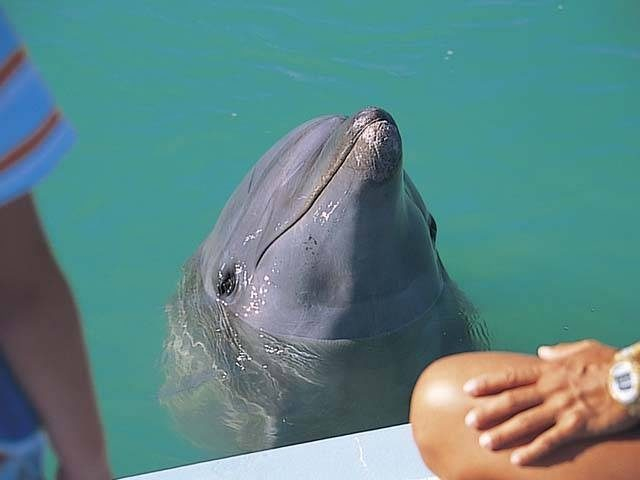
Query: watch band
[632,352]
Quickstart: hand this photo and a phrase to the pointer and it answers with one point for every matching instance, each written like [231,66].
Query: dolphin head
[319,287]
[326,237]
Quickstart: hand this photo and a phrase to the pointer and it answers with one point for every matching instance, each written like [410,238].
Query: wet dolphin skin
[317,299]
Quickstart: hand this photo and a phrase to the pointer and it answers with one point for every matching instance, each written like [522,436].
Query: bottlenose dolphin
[317,299]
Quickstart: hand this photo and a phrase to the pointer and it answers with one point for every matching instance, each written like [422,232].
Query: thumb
[561,350]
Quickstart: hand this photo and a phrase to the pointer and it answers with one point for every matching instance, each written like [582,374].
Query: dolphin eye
[227,283]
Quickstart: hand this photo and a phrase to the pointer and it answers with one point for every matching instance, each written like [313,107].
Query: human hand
[560,399]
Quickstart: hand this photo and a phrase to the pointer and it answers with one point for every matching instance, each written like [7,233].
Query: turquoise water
[519,120]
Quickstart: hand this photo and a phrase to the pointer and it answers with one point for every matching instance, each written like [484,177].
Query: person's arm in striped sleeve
[40,333]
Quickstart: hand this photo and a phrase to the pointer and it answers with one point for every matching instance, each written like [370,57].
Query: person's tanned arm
[41,337]
[452,450]
[562,399]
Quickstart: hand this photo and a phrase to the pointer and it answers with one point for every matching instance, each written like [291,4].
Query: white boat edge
[387,453]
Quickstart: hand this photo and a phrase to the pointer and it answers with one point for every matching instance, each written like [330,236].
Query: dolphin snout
[370,115]
[377,153]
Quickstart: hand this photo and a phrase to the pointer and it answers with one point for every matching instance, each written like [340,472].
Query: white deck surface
[388,454]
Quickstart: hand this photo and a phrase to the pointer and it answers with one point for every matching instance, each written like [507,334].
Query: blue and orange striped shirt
[33,134]
[33,137]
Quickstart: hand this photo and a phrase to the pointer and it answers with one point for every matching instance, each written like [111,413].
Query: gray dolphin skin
[318,298]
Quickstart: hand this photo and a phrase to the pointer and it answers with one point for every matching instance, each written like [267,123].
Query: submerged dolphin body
[318,298]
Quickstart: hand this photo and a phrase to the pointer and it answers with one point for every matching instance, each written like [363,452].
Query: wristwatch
[624,378]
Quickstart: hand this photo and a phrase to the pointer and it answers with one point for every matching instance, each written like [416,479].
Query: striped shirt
[33,134]
[33,137]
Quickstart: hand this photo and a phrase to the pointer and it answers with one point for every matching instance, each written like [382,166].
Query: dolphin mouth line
[326,180]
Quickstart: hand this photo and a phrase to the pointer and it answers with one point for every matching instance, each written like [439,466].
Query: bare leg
[451,449]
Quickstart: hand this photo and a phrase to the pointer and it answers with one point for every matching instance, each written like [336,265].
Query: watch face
[625,382]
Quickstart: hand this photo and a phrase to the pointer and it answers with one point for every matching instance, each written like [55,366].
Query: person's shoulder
[34,134]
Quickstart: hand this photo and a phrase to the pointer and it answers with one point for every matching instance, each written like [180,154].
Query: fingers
[562,350]
[503,406]
[567,429]
[492,383]
[526,423]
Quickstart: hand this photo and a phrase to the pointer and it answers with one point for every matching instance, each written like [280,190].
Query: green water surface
[520,121]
